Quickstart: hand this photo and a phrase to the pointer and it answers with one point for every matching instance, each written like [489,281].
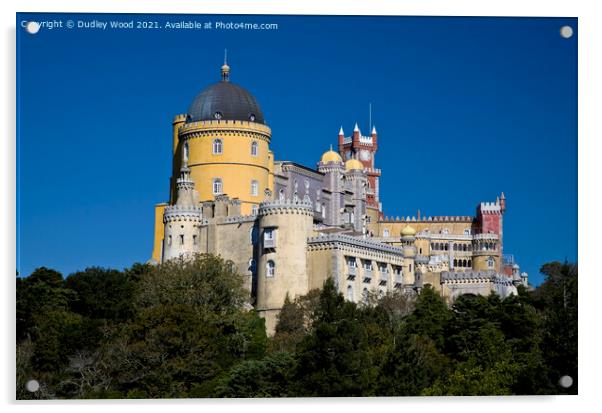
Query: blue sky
[465,108]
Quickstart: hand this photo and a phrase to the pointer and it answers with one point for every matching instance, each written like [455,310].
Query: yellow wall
[159,231]
[235,165]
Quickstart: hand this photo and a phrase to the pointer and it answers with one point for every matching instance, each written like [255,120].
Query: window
[349,293]
[367,265]
[217,186]
[386,232]
[323,210]
[410,268]
[186,152]
[254,209]
[254,187]
[351,262]
[365,295]
[490,262]
[254,146]
[218,147]
[467,231]
[269,238]
[194,240]
[270,269]
[251,266]
[252,117]
[181,239]
[169,240]
[218,115]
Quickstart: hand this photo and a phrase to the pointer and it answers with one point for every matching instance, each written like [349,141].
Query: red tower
[363,148]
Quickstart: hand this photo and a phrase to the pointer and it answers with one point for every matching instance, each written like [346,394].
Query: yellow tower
[226,141]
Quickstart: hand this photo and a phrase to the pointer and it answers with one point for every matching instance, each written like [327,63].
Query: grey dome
[225,100]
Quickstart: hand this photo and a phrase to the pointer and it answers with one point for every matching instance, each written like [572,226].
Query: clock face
[365,155]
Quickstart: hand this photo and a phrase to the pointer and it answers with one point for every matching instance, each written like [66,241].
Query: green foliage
[269,377]
[186,329]
[102,293]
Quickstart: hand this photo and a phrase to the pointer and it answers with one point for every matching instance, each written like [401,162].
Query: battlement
[182,213]
[460,277]
[286,206]
[180,118]
[493,237]
[354,241]
[428,219]
[223,124]
[490,208]
[366,139]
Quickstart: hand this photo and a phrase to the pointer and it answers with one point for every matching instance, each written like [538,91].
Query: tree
[190,325]
[42,291]
[102,293]
[556,298]
[334,359]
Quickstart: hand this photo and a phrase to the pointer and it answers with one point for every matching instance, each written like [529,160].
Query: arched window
[254,147]
[455,262]
[470,263]
[446,247]
[281,195]
[254,187]
[349,293]
[490,262]
[386,232]
[218,147]
[323,210]
[464,247]
[455,247]
[365,295]
[464,263]
[270,269]
[186,152]
[218,187]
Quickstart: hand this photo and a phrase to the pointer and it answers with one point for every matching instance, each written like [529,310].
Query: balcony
[269,243]
[367,275]
[384,277]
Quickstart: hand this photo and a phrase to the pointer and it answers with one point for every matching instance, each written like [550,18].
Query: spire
[341,133]
[185,184]
[331,147]
[356,128]
[373,130]
[225,68]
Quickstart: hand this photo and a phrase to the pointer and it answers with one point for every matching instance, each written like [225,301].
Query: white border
[590,134]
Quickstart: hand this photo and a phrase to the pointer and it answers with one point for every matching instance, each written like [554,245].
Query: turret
[331,165]
[408,240]
[284,227]
[182,220]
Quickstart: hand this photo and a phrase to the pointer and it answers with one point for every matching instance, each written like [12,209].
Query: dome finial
[225,68]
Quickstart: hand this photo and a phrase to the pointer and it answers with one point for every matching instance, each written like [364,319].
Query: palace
[288,227]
